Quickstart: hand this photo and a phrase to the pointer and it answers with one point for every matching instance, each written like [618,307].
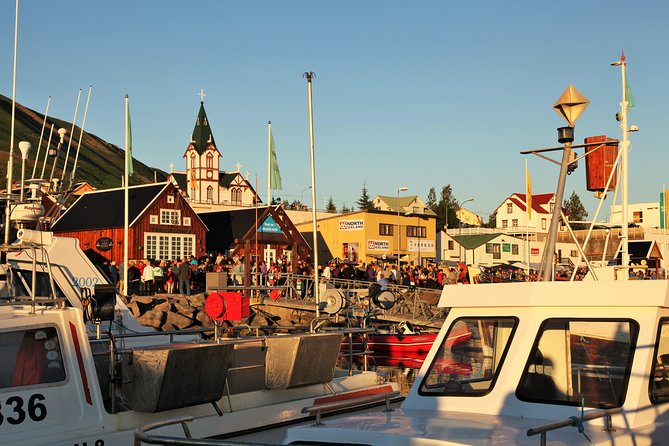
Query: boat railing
[575,422]
[142,436]
[331,406]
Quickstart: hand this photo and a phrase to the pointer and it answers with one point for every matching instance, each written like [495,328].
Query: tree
[330,207]
[575,210]
[446,208]
[492,221]
[364,203]
[432,200]
[345,209]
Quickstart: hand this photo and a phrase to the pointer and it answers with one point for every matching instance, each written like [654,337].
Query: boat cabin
[539,353]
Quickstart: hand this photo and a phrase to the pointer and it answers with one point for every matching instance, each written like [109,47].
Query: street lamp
[401,189]
[459,219]
[302,195]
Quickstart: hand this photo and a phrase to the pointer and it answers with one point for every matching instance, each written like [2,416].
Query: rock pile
[170,312]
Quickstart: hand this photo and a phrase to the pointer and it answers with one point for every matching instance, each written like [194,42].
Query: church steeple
[202,135]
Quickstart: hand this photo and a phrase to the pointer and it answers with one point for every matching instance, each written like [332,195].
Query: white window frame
[170,199]
[185,221]
[166,246]
[153,219]
[509,208]
[170,217]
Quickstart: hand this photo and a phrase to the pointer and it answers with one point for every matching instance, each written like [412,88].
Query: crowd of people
[188,275]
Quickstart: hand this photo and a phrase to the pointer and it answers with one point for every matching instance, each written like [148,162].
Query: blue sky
[417,94]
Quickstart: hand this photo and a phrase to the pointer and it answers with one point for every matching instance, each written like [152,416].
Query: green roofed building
[203,182]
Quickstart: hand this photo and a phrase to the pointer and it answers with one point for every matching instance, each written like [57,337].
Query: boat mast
[624,105]
[10,161]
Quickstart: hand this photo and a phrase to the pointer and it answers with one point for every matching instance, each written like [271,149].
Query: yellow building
[365,236]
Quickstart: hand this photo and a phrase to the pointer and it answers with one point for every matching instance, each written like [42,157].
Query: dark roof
[202,135]
[180,178]
[104,209]
[227,228]
[225,178]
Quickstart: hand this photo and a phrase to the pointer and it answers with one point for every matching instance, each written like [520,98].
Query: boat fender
[214,306]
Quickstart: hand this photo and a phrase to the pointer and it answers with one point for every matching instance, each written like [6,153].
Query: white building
[203,183]
[512,213]
[645,215]
[494,248]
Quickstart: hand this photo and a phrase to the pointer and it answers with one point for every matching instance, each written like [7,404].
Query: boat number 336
[16,410]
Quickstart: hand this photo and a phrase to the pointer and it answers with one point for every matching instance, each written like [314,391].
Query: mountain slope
[100,163]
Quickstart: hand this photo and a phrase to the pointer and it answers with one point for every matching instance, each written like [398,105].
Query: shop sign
[269,225]
[104,244]
[506,247]
[421,246]
[351,225]
[534,251]
[378,245]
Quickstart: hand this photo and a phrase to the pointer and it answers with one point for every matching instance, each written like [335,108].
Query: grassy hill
[100,163]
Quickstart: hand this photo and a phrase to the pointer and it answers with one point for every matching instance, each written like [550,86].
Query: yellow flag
[193,179]
[528,192]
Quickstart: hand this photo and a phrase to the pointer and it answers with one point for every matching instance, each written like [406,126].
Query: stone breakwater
[176,312]
[170,312]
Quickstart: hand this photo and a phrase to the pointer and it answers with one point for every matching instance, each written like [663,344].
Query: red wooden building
[162,225]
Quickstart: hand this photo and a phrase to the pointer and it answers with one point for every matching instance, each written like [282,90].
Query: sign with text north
[351,225]
[270,226]
[378,245]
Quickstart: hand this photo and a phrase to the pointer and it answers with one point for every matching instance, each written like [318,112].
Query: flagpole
[269,163]
[527,215]
[309,75]
[256,238]
[125,198]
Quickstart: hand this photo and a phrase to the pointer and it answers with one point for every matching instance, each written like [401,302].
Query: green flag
[628,95]
[128,139]
[275,175]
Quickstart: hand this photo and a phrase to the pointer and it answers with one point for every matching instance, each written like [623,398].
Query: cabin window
[385,229]
[469,357]
[153,219]
[637,217]
[22,280]
[30,357]
[210,194]
[451,245]
[505,223]
[514,222]
[170,217]
[576,362]
[509,208]
[543,223]
[659,383]
[170,199]
[514,249]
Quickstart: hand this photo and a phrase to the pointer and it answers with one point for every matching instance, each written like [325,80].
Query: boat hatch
[300,360]
[177,375]
[470,357]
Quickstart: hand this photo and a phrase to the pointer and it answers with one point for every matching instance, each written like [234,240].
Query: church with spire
[203,183]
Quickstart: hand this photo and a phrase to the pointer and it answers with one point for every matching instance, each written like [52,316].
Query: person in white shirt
[147,277]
